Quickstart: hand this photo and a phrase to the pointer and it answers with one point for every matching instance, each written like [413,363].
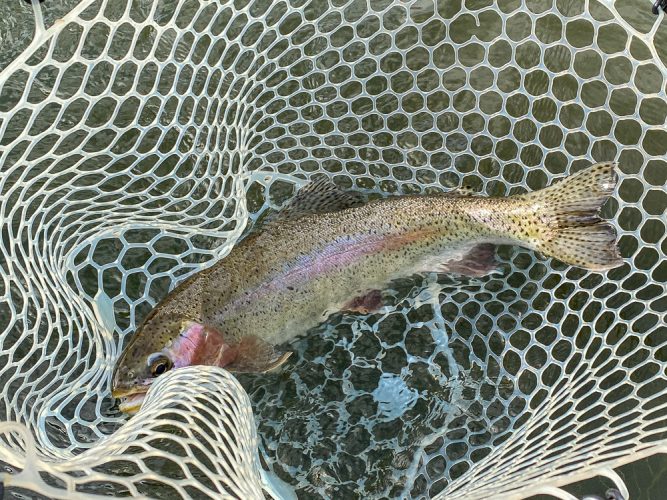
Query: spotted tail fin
[567,225]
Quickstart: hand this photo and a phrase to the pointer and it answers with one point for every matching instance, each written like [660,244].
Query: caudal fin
[569,226]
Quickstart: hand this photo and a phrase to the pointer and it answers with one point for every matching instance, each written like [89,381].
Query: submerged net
[138,139]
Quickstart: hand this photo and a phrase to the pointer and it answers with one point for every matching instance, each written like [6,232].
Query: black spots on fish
[523,224]
[568,222]
[290,288]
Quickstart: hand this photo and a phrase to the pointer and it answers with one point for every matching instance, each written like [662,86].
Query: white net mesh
[137,139]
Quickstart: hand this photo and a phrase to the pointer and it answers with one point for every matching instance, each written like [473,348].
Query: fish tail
[562,221]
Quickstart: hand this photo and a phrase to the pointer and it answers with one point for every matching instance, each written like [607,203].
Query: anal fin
[478,260]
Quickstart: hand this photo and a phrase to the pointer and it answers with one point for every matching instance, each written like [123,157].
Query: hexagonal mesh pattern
[137,140]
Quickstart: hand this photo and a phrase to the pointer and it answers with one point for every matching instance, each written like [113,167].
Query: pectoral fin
[254,355]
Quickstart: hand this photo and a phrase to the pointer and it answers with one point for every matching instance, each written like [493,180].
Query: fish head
[160,345]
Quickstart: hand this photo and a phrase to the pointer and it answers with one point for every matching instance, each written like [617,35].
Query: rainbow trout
[329,251]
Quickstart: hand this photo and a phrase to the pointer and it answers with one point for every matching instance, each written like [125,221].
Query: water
[332,400]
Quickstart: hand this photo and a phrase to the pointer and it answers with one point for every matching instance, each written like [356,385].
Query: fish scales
[282,280]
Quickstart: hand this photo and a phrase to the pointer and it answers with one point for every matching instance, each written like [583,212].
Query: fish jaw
[131,398]
[132,403]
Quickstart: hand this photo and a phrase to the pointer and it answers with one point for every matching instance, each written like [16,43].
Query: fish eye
[159,365]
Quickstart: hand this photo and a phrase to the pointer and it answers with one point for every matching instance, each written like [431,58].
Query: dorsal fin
[462,191]
[318,197]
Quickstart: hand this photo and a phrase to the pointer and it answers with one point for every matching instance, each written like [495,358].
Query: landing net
[138,140]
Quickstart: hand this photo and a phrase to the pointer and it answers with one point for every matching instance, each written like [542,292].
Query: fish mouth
[130,399]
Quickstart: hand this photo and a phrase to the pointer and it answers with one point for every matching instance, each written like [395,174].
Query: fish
[330,250]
